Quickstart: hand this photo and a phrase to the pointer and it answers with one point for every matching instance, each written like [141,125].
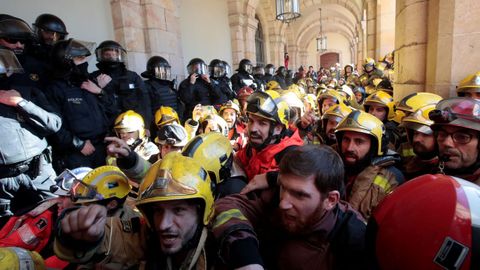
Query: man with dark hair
[457,132]
[370,174]
[298,220]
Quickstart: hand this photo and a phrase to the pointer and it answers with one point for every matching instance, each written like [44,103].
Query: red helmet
[430,222]
[244,92]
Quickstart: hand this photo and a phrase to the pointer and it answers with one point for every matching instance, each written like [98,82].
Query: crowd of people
[262,168]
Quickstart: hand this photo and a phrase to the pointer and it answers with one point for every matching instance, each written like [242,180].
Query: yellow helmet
[330,93]
[469,84]
[293,101]
[165,115]
[229,105]
[15,258]
[381,98]
[369,61]
[419,120]
[273,85]
[102,183]
[399,115]
[370,89]
[311,101]
[214,152]
[273,93]
[415,101]
[176,177]
[263,105]
[338,110]
[216,124]
[359,121]
[130,121]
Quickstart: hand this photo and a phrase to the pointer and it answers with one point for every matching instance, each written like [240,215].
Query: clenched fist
[86,223]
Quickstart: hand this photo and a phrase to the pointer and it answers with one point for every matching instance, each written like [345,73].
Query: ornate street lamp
[321,39]
[288,10]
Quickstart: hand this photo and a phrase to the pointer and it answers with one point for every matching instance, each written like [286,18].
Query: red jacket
[254,162]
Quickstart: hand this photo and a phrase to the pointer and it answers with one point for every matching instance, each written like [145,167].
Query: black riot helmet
[110,51]
[270,69]
[14,29]
[64,51]
[197,65]
[50,23]
[246,66]
[157,67]
[282,72]
[228,69]
[217,68]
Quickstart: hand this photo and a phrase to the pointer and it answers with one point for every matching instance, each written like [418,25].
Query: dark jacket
[248,228]
[162,93]
[128,92]
[23,129]
[82,112]
[241,79]
[200,92]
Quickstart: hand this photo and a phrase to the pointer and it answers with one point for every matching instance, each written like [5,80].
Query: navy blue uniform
[200,92]
[84,118]
[128,91]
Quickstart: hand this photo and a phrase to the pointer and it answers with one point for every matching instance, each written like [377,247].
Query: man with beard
[176,201]
[420,136]
[456,126]
[298,222]
[230,111]
[370,175]
[330,120]
[268,135]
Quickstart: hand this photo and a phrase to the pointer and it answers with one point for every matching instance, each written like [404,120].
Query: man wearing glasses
[457,126]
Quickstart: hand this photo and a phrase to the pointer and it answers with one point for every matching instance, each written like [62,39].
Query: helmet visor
[165,186]
[262,103]
[465,108]
[9,62]
[248,68]
[78,48]
[111,54]
[162,72]
[218,71]
[172,135]
[64,182]
[270,70]
[198,68]
[81,191]
[15,29]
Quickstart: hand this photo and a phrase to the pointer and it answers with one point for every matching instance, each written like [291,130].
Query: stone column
[128,25]
[146,28]
[410,46]
[242,30]
[360,50]
[276,49]
[385,28]
[371,28]
[453,42]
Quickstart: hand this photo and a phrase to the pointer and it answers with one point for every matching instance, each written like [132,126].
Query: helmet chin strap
[271,138]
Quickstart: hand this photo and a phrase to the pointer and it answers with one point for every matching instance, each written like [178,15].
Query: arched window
[259,44]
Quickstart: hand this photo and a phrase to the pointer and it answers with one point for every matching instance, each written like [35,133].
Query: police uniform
[84,118]
[128,91]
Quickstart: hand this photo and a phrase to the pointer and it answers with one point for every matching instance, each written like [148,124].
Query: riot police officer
[269,73]
[125,86]
[217,74]
[159,86]
[48,30]
[82,105]
[243,77]
[197,88]
[280,77]
[26,118]
[15,35]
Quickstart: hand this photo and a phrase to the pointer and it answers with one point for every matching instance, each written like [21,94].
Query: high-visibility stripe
[382,182]
[223,217]
[408,152]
